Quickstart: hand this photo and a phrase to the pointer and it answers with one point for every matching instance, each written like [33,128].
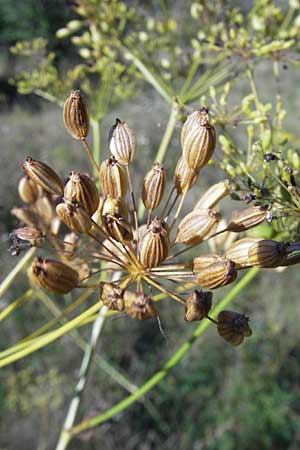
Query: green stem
[161,374]
[164,144]
[18,267]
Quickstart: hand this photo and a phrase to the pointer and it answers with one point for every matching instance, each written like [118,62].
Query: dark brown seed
[233,327]
[139,306]
[53,276]
[112,296]
[249,218]
[198,305]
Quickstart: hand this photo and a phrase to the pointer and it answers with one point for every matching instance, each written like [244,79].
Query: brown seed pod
[233,327]
[118,228]
[213,195]
[76,116]
[80,188]
[238,252]
[139,306]
[29,191]
[43,175]
[201,262]
[74,217]
[267,253]
[122,142]
[198,305]
[112,178]
[292,254]
[154,244]
[26,216]
[52,275]
[30,234]
[249,218]
[184,176]
[112,296]
[154,186]
[217,274]
[198,139]
[197,226]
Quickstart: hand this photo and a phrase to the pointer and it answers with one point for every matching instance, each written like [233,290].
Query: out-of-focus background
[218,397]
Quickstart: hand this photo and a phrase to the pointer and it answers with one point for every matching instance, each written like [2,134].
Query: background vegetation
[218,397]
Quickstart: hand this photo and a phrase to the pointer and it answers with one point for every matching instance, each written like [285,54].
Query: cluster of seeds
[87,223]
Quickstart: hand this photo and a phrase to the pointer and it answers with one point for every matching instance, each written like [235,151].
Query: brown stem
[90,153]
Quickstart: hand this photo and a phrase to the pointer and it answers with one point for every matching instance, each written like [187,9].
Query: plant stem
[176,358]
[90,153]
[18,267]
[65,436]
[96,144]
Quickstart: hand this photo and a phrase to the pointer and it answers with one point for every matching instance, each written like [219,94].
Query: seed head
[238,252]
[52,275]
[198,139]
[43,175]
[74,217]
[112,178]
[267,253]
[122,142]
[154,245]
[139,306]
[29,191]
[154,186]
[197,226]
[244,220]
[217,274]
[184,176]
[80,188]
[112,296]
[198,305]
[233,327]
[76,116]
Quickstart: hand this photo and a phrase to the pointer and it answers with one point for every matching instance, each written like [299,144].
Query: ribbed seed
[43,175]
[118,228]
[198,305]
[53,276]
[244,220]
[80,188]
[197,226]
[267,253]
[112,178]
[201,262]
[139,306]
[154,186]
[217,274]
[30,234]
[122,142]
[292,254]
[198,139]
[238,252]
[154,244]
[76,116]
[29,191]
[74,217]
[112,296]
[213,195]
[184,176]
[233,327]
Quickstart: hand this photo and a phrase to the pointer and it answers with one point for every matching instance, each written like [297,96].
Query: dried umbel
[184,176]
[218,274]
[29,191]
[249,218]
[76,116]
[74,217]
[80,188]
[139,306]
[233,327]
[154,186]
[112,178]
[112,296]
[198,305]
[213,195]
[198,139]
[43,175]
[122,142]
[154,244]
[53,276]
[197,226]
